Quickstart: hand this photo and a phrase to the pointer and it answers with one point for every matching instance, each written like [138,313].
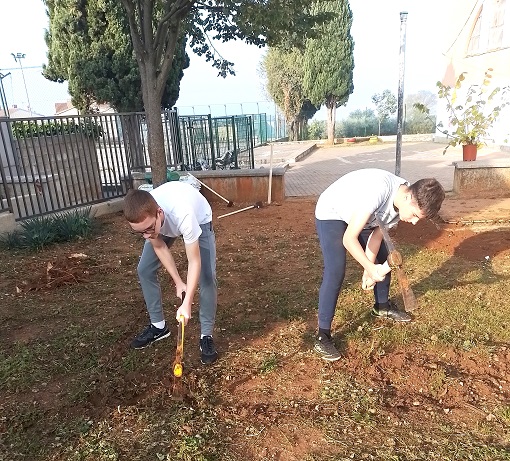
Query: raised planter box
[482,178]
[239,186]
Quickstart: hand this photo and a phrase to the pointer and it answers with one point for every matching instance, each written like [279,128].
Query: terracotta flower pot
[469,152]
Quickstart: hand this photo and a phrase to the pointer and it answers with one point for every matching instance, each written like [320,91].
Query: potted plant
[470,119]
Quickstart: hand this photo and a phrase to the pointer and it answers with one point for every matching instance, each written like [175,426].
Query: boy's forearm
[165,256]
[357,252]
[194,267]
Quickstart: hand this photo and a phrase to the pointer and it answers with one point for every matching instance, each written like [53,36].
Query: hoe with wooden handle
[395,261]
[229,202]
[178,389]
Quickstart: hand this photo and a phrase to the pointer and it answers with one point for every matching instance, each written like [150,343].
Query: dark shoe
[391,312]
[208,352]
[326,349]
[148,336]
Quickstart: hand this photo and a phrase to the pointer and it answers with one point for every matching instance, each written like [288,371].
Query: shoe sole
[208,362]
[326,358]
[152,342]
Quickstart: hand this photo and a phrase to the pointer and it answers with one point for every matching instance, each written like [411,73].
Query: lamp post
[400,99]
[18,57]
[3,99]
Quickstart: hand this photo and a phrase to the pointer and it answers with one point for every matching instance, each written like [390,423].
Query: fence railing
[50,164]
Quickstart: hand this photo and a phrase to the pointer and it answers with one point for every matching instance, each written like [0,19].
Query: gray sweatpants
[148,274]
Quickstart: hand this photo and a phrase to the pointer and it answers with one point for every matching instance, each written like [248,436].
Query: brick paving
[311,175]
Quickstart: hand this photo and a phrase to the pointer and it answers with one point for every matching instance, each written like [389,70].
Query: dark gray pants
[148,274]
[331,233]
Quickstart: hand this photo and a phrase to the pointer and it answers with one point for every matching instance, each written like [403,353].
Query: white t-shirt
[185,208]
[369,190]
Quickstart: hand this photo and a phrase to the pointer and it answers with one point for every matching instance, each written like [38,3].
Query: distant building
[67,108]
[18,112]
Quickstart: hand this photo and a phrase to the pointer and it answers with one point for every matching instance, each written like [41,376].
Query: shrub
[33,129]
[39,232]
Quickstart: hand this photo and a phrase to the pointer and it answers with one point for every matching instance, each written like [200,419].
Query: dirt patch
[467,242]
[69,313]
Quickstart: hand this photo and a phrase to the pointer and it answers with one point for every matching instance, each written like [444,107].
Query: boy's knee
[143,271]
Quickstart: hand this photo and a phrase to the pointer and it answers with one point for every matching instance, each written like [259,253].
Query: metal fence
[50,164]
[217,143]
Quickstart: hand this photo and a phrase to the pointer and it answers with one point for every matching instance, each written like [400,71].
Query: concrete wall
[483,178]
[72,161]
[238,186]
[243,186]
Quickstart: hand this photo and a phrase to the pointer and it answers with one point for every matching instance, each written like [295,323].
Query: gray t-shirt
[368,190]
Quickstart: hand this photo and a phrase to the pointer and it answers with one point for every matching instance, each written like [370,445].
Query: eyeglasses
[149,230]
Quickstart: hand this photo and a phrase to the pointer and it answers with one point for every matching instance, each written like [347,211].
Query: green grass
[269,364]
[72,390]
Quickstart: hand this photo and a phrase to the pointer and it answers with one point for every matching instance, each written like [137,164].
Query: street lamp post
[3,99]
[18,57]
[400,99]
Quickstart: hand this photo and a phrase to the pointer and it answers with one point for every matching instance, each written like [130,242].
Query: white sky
[376,32]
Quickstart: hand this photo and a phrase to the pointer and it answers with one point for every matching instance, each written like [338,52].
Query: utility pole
[3,99]
[400,99]
[18,57]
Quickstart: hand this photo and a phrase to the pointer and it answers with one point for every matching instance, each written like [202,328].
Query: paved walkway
[310,171]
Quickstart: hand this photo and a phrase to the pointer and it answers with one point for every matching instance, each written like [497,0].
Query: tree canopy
[284,83]
[89,46]
[157,26]
[386,105]
[416,121]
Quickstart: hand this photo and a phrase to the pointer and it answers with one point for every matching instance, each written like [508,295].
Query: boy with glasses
[161,215]
[345,217]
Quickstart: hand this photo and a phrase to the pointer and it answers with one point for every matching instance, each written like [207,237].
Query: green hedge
[35,128]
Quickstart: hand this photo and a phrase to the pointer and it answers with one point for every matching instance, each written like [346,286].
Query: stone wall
[482,178]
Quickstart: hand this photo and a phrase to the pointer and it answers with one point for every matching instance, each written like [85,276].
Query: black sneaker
[148,336]
[392,312]
[326,349]
[208,352]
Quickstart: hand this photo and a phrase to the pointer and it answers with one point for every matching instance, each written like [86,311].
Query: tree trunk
[331,116]
[300,129]
[293,130]
[155,137]
[379,127]
[132,141]
[155,140]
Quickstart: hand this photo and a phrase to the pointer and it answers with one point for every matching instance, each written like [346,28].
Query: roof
[18,112]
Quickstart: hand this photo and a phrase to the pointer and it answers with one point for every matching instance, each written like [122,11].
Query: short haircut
[429,196]
[138,204]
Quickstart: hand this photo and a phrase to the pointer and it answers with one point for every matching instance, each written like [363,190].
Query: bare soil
[268,396]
